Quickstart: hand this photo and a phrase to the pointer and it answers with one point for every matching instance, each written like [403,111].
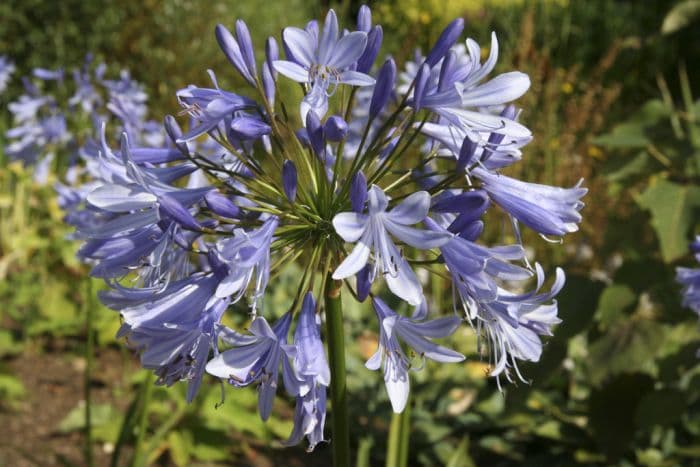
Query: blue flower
[370,233]
[259,360]
[511,323]
[690,279]
[415,332]
[247,255]
[312,366]
[545,209]
[322,63]
[172,328]
[7,68]
[210,107]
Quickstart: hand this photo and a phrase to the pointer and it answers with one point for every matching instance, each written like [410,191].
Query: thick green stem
[139,458]
[89,350]
[340,439]
[399,435]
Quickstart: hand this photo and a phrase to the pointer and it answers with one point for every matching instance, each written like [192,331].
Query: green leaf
[680,16]
[179,446]
[614,300]
[11,389]
[612,410]
[104,418]
[631,345]
[671,206]
[460,457]
[662,407]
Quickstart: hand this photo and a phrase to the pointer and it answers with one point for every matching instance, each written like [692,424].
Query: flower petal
[292,70]
[350,226]
[301,45]
[355,261]
[348,49]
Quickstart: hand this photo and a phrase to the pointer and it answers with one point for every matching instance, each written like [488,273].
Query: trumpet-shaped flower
[416,333]
[323,63]
[259,360]
[312,366]
[371,232]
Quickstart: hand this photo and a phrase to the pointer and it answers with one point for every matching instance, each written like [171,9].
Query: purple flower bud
[303,137]
[232,50]
[364,285]
[472,231]
[315,132]
[383,89]
[446,40]
[421,84]
[374,43]
[246,45]
[364,19]
[358,192]
[221,205]
[175,133]
[170,207]
[289,180]
[695,246]
[447,71]
[335,128]
[466,154]
[470,202]
[271,54]
[245,127]
[268,81]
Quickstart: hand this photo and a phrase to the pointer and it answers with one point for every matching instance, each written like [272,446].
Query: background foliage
[614,99]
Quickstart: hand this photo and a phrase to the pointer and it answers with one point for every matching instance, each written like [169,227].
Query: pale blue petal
[411,210]
[348,49]
[302,46]
[292,70]
[120,198]
[355,261]
[350,226]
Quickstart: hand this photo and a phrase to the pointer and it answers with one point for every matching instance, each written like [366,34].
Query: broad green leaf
[631,345]
[662,407]
[612,410]
[671,206]
[614,300]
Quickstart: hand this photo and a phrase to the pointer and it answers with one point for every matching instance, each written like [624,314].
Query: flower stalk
[340,438]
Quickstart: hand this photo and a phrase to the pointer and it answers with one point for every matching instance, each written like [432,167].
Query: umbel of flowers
[373,175]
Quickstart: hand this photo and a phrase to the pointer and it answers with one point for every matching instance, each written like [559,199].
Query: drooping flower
[371,233]
[259,361]
[172,328]
[312,366]
[415,332]
[546,209]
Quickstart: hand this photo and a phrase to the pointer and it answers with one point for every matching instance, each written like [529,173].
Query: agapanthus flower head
[397,181]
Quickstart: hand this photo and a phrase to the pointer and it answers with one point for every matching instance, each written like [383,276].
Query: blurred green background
[612,100]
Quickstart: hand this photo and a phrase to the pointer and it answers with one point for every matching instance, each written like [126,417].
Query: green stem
[89,349]
[139,458]
[340,440]
[399,434]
